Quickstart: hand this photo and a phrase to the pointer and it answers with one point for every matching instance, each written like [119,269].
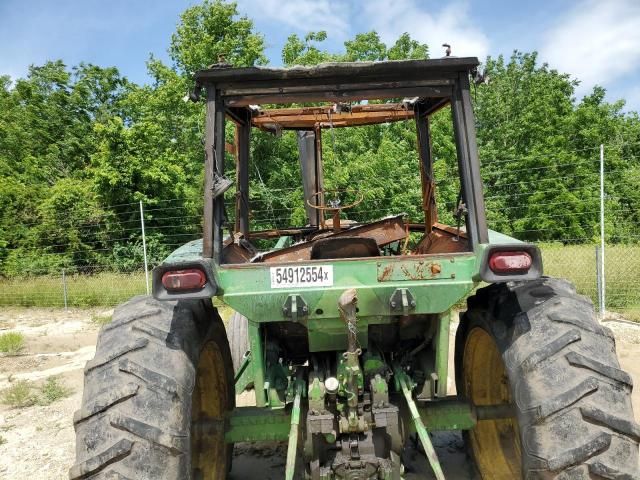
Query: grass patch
[2,440]
[632,314]
[101,320]
[577,263]
[18,395]
[52,390]
[100,289]
[11,343]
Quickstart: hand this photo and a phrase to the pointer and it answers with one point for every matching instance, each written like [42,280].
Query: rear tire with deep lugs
[538,346]
[156,395]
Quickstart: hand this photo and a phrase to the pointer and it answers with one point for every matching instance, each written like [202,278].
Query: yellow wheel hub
[209,453]
[495,443]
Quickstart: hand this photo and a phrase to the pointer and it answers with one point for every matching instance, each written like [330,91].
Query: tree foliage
[212,32]
[80,146]
[540,150]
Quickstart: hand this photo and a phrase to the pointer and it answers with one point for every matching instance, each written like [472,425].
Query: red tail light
[510,262]
[191,279]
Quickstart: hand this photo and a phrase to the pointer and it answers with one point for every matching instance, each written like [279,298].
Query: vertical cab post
[310,157]
[468,162]
[308,167]
[242,194]
[219,154]
[319,174]
[214,145]
[426,168]
[209,167]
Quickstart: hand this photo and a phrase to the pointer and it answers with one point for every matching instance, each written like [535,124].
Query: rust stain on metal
[330,116]
[386,272]
[421,270]
[406,272]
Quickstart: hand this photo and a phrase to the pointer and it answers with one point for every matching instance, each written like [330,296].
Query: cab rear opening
[418,203]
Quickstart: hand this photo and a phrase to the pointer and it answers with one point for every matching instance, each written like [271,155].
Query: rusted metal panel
[370,107]
[443,239]
[308,118]
[344,247]
[302,122]
[280,232]
[410,270]
[234,253]
[384,231]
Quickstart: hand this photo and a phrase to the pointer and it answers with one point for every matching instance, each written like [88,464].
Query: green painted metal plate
[253,424]
[247,288]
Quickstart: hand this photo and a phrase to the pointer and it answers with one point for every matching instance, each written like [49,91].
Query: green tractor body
[341,327]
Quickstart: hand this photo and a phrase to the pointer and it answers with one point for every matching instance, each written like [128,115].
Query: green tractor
[341,327]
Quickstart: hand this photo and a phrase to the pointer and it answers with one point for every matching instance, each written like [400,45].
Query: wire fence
[102,261]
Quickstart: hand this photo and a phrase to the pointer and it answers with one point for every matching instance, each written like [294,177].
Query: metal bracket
[402,301]
[244,376]
[220,185]
[295,307]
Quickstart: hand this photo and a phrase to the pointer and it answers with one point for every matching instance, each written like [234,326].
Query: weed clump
[101,320]
[11,343]
[18,395]
[52,390]
[24,394]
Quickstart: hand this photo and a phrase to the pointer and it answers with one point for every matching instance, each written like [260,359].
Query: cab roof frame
[335,82]
[233,92]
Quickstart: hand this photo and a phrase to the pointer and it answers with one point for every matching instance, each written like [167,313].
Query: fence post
[144,248]
[64,288]
[603,283]
[599,280]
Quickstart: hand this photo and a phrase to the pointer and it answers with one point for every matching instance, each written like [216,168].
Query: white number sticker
[302,276]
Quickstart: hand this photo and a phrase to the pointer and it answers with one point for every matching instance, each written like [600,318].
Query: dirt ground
[37,442]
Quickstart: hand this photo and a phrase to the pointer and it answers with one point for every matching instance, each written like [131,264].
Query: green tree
[524,129]
[406,48]
[365,47]
[212,31]
[298,51]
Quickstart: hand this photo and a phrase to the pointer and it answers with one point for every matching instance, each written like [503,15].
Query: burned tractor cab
[378,94]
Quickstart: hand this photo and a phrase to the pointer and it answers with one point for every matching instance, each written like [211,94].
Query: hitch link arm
[432,456]
[293,433]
